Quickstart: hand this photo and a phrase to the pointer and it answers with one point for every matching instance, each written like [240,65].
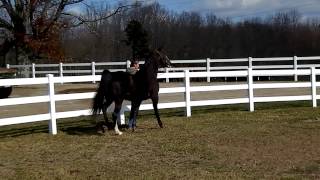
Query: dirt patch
[76,90]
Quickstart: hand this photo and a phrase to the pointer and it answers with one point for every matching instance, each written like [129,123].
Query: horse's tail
[98,100]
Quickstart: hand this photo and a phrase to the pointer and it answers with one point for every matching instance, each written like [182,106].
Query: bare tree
[34,26]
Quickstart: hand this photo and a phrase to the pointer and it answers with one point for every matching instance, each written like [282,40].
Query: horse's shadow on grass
[86,127]
[82,127]
[80,131]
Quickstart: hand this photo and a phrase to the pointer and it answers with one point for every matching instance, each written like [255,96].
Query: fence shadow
[82,126]
[17,130]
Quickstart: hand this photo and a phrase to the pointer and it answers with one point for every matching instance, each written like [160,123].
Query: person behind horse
[132,70]
[134,67]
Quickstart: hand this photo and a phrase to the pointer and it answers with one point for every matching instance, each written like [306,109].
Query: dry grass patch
[279,142]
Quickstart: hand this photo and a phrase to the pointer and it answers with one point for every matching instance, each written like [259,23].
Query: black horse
[118,86]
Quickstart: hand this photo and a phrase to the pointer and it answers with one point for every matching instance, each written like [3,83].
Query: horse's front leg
[133,114]
[116,115]
[155,101]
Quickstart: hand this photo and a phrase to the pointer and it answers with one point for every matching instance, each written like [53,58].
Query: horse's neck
[148,75]
[151,71]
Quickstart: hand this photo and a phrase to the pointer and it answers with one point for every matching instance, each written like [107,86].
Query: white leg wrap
[116,129]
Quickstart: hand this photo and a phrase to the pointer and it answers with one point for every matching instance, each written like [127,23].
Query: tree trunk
[22,58]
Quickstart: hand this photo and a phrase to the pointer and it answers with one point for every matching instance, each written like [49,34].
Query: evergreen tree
[138,39]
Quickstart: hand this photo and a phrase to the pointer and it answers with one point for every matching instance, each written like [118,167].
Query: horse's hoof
[100,128]
[119,133]
[100,132]
[104,127]
[131,129]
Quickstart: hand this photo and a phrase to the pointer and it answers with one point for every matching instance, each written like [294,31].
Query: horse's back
[118,83]
[118,76]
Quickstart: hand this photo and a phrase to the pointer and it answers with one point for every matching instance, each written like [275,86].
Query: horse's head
[162,59]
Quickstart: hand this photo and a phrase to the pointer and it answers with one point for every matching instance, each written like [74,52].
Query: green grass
[277,141]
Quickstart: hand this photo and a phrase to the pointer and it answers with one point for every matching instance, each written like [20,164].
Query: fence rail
[95,68]
[188,103]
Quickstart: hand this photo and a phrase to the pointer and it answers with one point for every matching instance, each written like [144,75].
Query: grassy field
[277,141]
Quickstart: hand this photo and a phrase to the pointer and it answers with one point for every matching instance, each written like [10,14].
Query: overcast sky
[236,9]
[239,9]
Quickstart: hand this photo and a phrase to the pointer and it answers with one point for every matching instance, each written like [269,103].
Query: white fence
[188,103]
[94,68]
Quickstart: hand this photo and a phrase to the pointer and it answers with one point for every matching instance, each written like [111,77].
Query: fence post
[128,63]
[93,71]
[295,67]
[208,69]
[250,62]
[52,106]
[33,70]
[314,86]
[167,71]
[61,71]
[250,90]
[187,93]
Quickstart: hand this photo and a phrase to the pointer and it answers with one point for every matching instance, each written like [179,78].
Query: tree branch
[73,2]
[5,24]
[8,6]
[56,16]
[84,21]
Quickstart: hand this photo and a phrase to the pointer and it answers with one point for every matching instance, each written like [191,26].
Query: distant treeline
[191,35]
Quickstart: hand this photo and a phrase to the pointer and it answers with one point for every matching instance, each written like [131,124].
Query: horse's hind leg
[116,115]
[156,111]
[106,104]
